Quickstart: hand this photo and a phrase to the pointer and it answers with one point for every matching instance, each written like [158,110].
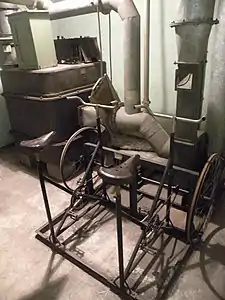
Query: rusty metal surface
[152,274]
[193,27]
[50,82]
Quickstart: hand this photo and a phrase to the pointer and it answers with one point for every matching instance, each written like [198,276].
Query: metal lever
[185,120]
[175,118]
[113,106]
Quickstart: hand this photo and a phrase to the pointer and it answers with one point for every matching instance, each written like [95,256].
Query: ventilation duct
[144,124]
[194,22]
[193,26]
[129,120]
[131,27]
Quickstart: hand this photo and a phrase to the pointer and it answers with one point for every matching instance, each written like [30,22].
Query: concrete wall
[163,48]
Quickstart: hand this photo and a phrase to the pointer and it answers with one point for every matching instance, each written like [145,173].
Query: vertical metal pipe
[131,39]
[110,48]
[131,42]
[147,54]
[120,237]
[46,203]
[133,196]
[100,37]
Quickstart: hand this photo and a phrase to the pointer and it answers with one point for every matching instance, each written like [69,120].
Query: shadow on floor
[162,267]
[49,289]
[211,255]
[215,253]
[210,252]
[52,268]
[99,217]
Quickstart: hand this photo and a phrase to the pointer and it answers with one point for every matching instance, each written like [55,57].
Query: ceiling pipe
[5,10]
[131,27]
[40,4]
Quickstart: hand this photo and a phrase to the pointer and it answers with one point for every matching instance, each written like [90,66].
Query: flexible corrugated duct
[131,38]
[215,95]
[145,126]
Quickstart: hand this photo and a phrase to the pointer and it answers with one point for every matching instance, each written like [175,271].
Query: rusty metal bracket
[194,22]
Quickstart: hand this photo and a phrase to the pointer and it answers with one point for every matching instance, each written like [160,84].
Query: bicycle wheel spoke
[204,196]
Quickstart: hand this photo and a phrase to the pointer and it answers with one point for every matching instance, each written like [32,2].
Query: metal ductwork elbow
[131,27]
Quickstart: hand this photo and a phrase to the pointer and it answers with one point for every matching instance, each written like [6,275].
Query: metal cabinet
[33,39]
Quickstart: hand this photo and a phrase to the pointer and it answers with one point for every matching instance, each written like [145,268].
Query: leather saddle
[39,143]
[122,174]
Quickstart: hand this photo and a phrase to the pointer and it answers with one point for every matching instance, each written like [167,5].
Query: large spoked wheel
[204,198]
[72,154]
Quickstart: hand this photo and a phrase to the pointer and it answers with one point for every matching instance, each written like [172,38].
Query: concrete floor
[30,271]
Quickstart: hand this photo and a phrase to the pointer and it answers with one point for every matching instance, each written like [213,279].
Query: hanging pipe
[100,37]
[146,100]
[110,48]
[131,39]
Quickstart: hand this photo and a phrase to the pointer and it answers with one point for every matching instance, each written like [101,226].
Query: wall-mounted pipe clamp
[194,22]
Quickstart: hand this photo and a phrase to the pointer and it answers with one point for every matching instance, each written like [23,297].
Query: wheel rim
[77,164]
[203,201]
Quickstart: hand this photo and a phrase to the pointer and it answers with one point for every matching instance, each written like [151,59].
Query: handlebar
[174,118]
[113,106]
[185,120]
[165,116]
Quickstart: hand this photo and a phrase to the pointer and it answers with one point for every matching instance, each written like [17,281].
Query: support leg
[170,174]
[120,236]
[169,193]
[45,198]
[88,170]
[133,197]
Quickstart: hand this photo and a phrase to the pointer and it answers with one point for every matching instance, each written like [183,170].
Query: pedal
[151,251]
[73,215]
[78,252]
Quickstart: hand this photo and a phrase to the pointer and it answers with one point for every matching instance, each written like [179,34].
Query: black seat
[122,174]
[39,143]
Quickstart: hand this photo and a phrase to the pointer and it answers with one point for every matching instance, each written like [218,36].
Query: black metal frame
[48,234]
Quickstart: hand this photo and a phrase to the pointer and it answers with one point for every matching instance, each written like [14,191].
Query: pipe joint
[104,9]
[128,13]
[195,22]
